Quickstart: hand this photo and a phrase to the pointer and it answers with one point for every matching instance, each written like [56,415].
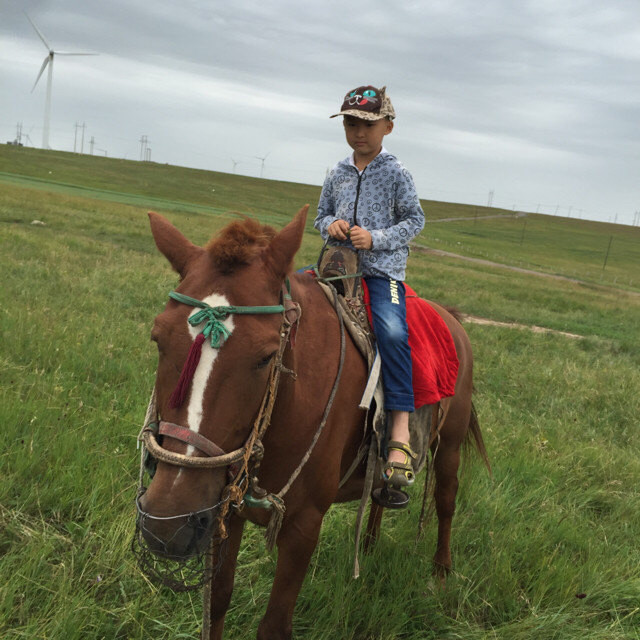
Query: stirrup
[400,474]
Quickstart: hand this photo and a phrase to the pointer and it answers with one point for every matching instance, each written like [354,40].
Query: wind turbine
[49,61]
[262,159]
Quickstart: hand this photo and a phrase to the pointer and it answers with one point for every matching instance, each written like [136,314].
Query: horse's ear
[172,244]
[279,255]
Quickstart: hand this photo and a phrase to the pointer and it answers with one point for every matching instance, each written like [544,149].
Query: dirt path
[489,263]
[515,214]
[515,325]
[438,252]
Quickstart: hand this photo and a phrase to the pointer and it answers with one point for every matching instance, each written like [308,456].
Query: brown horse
[246,266]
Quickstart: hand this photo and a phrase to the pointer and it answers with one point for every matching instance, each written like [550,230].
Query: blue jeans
[389,313]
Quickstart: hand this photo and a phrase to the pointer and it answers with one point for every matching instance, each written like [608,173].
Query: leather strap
[190,437]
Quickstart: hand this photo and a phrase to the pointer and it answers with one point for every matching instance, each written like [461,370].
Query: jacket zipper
[355,204]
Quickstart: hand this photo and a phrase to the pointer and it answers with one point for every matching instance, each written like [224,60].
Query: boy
[369,202]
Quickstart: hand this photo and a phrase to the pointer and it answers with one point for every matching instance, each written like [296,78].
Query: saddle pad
[433,353]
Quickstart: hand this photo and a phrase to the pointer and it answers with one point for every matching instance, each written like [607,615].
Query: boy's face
[365,136]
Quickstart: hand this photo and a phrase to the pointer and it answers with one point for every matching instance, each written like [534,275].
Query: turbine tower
[262,159]
[49,61]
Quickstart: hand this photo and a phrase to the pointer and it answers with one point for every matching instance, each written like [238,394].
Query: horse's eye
[265,361]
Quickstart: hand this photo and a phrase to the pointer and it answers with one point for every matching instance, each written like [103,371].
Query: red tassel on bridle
[180,392]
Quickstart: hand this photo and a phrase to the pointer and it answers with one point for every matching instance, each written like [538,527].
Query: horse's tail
[474,431]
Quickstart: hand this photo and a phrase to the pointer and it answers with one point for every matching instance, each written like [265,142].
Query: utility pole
[606,257]
[235,164]
[19,133]
[75,135]
[91,143]
[82,142]
[147,154]
[144,141]
[490,199]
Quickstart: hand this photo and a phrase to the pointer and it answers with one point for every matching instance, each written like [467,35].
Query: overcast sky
[537,101]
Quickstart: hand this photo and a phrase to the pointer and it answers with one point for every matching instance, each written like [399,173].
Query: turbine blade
[42,68]
[66,53]
[46,44]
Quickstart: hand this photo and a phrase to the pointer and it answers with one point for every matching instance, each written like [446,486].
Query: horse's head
[213,371]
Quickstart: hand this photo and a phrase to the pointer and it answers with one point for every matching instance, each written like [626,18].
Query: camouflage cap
[367,103]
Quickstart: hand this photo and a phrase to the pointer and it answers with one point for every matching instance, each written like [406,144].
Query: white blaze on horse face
[205,366]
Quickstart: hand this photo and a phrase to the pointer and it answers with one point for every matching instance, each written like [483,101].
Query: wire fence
[582,250]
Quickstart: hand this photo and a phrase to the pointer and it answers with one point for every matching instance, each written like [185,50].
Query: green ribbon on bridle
[214,329]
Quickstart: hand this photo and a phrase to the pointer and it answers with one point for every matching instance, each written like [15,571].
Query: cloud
[536,99]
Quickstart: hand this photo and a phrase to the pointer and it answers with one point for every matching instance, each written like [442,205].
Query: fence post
[524,226]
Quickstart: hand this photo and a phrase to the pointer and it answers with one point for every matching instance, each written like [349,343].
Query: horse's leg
[222,581]
[373,526]
[296,542]
[446,470]
[447,461]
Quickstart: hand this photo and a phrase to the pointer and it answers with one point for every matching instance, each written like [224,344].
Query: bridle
[242,463]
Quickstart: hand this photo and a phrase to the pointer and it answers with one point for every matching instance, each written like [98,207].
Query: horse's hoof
[390,498]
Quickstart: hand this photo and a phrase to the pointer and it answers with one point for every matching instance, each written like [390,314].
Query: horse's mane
[239,243]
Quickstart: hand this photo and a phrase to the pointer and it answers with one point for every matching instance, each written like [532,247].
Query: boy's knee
[394,331]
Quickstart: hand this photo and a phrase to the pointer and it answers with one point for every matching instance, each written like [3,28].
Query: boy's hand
[339,229]
[361,238]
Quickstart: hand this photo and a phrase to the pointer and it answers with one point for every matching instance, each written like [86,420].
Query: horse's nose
[202,523]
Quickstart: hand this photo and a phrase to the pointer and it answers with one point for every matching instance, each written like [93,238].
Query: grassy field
[545,550]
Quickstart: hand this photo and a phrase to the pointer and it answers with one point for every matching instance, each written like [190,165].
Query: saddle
[340,266]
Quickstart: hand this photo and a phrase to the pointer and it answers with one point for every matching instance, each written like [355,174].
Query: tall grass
[559,520]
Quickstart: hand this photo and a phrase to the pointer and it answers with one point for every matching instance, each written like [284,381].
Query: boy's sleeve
[408,214]
[326,207]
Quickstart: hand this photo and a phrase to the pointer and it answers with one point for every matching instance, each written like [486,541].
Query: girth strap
[190,437]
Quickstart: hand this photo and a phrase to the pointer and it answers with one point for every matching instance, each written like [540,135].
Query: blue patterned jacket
[383,200]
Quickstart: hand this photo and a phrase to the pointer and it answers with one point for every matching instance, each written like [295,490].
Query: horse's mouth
[176,537]
[173,558]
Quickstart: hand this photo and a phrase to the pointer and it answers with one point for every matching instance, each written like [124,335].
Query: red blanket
[433,353]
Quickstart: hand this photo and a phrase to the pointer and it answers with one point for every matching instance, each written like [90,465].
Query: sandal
[400,474]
